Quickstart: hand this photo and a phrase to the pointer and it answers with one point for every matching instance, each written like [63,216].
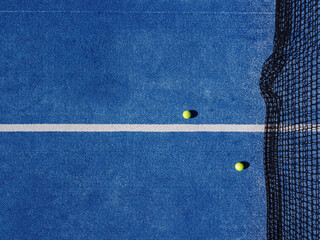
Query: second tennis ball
[187,114]
[239,166]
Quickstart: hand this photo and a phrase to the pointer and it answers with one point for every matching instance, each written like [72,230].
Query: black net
[290,85]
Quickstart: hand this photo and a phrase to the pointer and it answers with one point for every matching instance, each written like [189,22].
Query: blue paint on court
[132,68]
[140,5]
[132,62]
[131,186]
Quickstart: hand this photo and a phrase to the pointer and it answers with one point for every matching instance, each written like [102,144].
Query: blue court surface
[132,62]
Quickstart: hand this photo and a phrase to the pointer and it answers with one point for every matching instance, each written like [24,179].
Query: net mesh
[290,85]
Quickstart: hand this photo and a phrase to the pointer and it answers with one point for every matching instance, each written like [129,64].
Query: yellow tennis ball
[239,166]
[187,114]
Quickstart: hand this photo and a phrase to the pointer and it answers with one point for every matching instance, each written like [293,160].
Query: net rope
[290,85]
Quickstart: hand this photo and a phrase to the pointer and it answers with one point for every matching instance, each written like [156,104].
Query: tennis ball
[187,114]
[239,166]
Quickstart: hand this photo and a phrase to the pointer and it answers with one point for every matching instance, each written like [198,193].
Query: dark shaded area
[245,164]
[290,85]
[194,113]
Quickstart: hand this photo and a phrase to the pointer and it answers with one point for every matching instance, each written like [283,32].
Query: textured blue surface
[139,5]
[131,186]
[132,61]
[132,68]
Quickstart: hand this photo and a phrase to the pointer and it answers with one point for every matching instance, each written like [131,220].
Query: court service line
[131,128]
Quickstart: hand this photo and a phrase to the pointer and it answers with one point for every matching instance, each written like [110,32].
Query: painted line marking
[131,128]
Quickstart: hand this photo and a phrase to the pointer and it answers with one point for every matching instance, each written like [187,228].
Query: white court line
[131,128]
